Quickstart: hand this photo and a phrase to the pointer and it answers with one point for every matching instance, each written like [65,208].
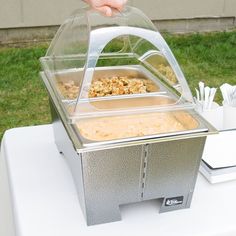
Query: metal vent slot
[144,169]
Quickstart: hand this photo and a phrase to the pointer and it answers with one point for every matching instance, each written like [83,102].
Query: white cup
[229,119]
[214,115]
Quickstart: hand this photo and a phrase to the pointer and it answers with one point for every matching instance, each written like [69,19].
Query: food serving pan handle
[101,37]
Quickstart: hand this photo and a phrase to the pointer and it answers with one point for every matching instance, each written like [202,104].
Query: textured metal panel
[111,178]
[172,168]
[65,146]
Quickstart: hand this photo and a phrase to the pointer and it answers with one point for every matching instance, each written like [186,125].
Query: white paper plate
[220,149]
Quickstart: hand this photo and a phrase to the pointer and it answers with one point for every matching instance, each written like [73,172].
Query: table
[38,198]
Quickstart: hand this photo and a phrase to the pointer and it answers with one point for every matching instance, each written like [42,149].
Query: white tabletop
[45,202]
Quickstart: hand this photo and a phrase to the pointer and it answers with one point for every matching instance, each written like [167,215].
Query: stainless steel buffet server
[123,114]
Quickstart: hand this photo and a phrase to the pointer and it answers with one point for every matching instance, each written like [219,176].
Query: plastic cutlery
[201,87]
[206,97]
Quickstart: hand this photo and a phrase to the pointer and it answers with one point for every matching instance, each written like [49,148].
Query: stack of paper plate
[219,157]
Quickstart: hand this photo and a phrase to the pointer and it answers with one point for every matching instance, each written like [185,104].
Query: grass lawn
[23,100]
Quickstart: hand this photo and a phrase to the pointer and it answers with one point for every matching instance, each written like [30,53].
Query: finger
[122,5]
[105,10]
[118,4]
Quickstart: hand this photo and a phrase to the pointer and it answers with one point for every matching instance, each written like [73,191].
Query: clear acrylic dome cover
[114,65]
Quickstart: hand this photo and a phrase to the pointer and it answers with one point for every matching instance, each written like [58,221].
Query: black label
[174,201]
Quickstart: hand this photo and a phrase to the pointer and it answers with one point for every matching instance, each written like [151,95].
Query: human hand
[107,7]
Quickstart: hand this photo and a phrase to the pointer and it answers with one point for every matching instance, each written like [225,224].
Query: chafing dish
[123,114]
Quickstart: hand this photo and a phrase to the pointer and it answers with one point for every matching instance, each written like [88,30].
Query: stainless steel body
[110,174]
[106,179]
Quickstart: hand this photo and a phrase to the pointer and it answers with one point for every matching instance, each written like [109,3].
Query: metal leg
[99,214]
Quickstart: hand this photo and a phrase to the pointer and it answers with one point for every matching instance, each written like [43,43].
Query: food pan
[155,60]
[132,71]
[139,127]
